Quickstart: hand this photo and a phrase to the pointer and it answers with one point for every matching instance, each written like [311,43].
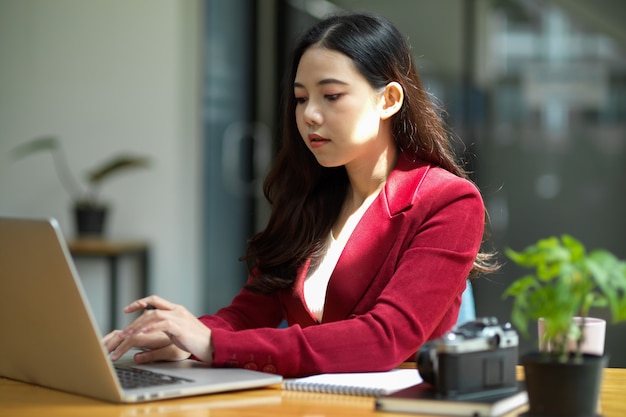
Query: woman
[373,232]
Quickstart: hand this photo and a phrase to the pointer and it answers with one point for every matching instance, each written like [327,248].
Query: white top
[316,281]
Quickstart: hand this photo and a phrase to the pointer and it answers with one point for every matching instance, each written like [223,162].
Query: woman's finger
[151,302]
[167,353]
[112,340]
[141,341]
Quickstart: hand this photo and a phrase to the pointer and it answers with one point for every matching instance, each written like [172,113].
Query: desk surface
[20,400]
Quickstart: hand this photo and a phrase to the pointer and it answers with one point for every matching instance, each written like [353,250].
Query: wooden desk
[22,400]
[112,252]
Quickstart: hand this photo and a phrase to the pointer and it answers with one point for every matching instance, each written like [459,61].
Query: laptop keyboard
[138,378]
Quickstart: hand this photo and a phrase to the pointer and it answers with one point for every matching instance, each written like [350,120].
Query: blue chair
[468,308]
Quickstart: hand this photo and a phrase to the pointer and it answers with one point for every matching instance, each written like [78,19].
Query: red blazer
[397,284]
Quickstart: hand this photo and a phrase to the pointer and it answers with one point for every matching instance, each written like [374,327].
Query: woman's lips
[316,141]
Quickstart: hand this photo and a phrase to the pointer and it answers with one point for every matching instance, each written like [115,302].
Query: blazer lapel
[294,300]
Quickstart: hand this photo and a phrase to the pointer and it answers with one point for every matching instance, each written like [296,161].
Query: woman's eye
[332,97]
[300,100]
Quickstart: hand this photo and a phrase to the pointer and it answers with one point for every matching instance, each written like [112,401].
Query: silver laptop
[49,336]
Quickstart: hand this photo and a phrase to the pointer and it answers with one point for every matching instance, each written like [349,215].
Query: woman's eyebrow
[325,81]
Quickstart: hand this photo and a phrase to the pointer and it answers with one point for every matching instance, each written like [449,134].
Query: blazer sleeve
[247,311]
[426,272]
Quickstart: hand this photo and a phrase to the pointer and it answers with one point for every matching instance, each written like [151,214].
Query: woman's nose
[312,114]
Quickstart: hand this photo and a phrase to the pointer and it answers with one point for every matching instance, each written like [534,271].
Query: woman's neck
[367,179]
[365,182]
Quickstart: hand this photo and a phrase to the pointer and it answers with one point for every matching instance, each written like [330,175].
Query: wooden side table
[112,251]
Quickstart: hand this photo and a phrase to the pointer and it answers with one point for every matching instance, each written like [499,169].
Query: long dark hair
[305,197]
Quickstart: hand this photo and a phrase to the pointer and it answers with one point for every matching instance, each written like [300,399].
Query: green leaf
[574,247]
[43,143]
[520,286]
[115,165]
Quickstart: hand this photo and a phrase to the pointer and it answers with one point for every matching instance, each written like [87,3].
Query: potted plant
[89,210]
[567,281]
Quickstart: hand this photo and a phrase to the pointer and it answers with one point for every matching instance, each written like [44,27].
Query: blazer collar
[403,182]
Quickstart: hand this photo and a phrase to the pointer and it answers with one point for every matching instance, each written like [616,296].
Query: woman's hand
[165,330]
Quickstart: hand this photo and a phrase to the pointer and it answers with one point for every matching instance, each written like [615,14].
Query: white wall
[108,76]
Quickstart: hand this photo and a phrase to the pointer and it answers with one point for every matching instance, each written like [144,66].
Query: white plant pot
[594,331]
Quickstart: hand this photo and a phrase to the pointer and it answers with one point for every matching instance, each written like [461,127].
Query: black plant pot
[90,220]
[563,389]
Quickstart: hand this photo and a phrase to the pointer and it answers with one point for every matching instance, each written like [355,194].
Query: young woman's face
[338,113]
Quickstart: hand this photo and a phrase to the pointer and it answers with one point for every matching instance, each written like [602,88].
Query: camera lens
[424,362]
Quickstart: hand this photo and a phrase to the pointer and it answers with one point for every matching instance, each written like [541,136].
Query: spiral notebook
[373,384]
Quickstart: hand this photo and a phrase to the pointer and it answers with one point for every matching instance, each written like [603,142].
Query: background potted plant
[567,282]
[89,210]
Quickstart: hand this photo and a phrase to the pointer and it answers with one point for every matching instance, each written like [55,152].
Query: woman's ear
[393,96]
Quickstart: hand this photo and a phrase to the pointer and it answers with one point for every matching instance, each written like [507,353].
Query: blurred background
[535,90]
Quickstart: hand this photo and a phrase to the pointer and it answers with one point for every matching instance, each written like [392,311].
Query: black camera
[476,358]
